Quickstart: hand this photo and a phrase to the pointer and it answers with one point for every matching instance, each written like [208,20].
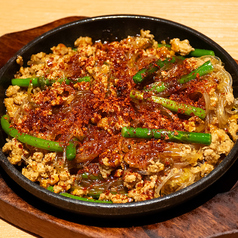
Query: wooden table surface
[218,19]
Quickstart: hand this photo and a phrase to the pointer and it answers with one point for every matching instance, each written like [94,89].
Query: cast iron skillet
[109,28]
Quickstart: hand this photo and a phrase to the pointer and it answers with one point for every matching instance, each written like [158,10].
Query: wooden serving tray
[214,213]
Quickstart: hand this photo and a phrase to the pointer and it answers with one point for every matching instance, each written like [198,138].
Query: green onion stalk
[170,104]
[175,136]
[50,188]
[145,73]
[41,81]
[37,142]
[202,70]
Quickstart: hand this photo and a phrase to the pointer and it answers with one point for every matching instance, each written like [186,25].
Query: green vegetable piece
[83,199]
[84,79]
[37,142]
[145,73]
[195,52]
[171,105]
[41,81]
[204,69]
[50,188]
[165,45]
[71,151]
[175,136]
[179,107]
[201,52]
[25,82]
[90,176]
[94,194]
[157,87]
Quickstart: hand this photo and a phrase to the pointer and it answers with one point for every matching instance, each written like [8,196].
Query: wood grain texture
[213,213]
[218,19]
[12,42]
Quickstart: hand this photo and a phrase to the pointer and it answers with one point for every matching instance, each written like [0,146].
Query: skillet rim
[128,209]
